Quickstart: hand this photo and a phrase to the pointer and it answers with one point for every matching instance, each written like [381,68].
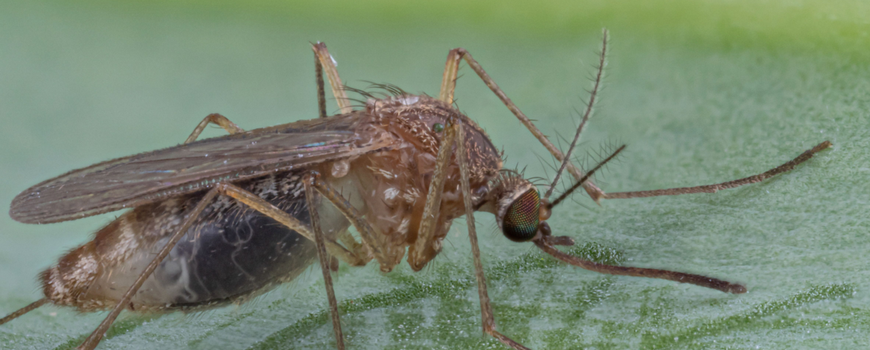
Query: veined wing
[157,175]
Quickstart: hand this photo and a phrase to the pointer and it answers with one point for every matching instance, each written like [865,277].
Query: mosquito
[225,219]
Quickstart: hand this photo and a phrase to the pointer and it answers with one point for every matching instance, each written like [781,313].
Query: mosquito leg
[485,306]
[547,242]
[91,342]
[448,85]
[321,95]
[374,242]
[266,208]
[725,185]
[357,249]
[328,65]
[18,313]
[217,119]
[425,234]
[347,239]
[448,81]
[242,196]
[324,261]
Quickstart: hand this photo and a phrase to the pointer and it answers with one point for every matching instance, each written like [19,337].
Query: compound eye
[521,219]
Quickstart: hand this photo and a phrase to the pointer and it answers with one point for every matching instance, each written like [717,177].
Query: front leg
[448,85]
[326,62]
[423,249]
[485,306]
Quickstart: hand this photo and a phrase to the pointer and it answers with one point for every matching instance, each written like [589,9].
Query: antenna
[584,178]
[592,95]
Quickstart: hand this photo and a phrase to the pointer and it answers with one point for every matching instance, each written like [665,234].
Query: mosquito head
[519,209]
[519,221]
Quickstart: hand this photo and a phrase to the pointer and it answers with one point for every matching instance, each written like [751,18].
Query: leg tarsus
[505,340]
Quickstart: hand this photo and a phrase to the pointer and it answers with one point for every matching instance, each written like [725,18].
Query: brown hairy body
[387,186]
[224,219]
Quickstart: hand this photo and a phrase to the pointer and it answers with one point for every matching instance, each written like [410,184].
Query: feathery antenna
[589,105]
[584,178]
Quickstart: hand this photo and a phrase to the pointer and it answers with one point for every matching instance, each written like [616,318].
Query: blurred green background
[701,91]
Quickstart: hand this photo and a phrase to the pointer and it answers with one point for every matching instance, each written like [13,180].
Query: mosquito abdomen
[230,254]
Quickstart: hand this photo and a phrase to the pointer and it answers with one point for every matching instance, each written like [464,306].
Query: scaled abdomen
[231,252]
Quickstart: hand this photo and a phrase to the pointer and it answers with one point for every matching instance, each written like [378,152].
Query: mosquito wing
[157,175]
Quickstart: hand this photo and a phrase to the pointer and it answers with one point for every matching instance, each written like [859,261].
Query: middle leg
[371,245]
[324,261]
[431,213]
[417,255]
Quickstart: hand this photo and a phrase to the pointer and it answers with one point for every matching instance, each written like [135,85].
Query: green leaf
[700,91]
